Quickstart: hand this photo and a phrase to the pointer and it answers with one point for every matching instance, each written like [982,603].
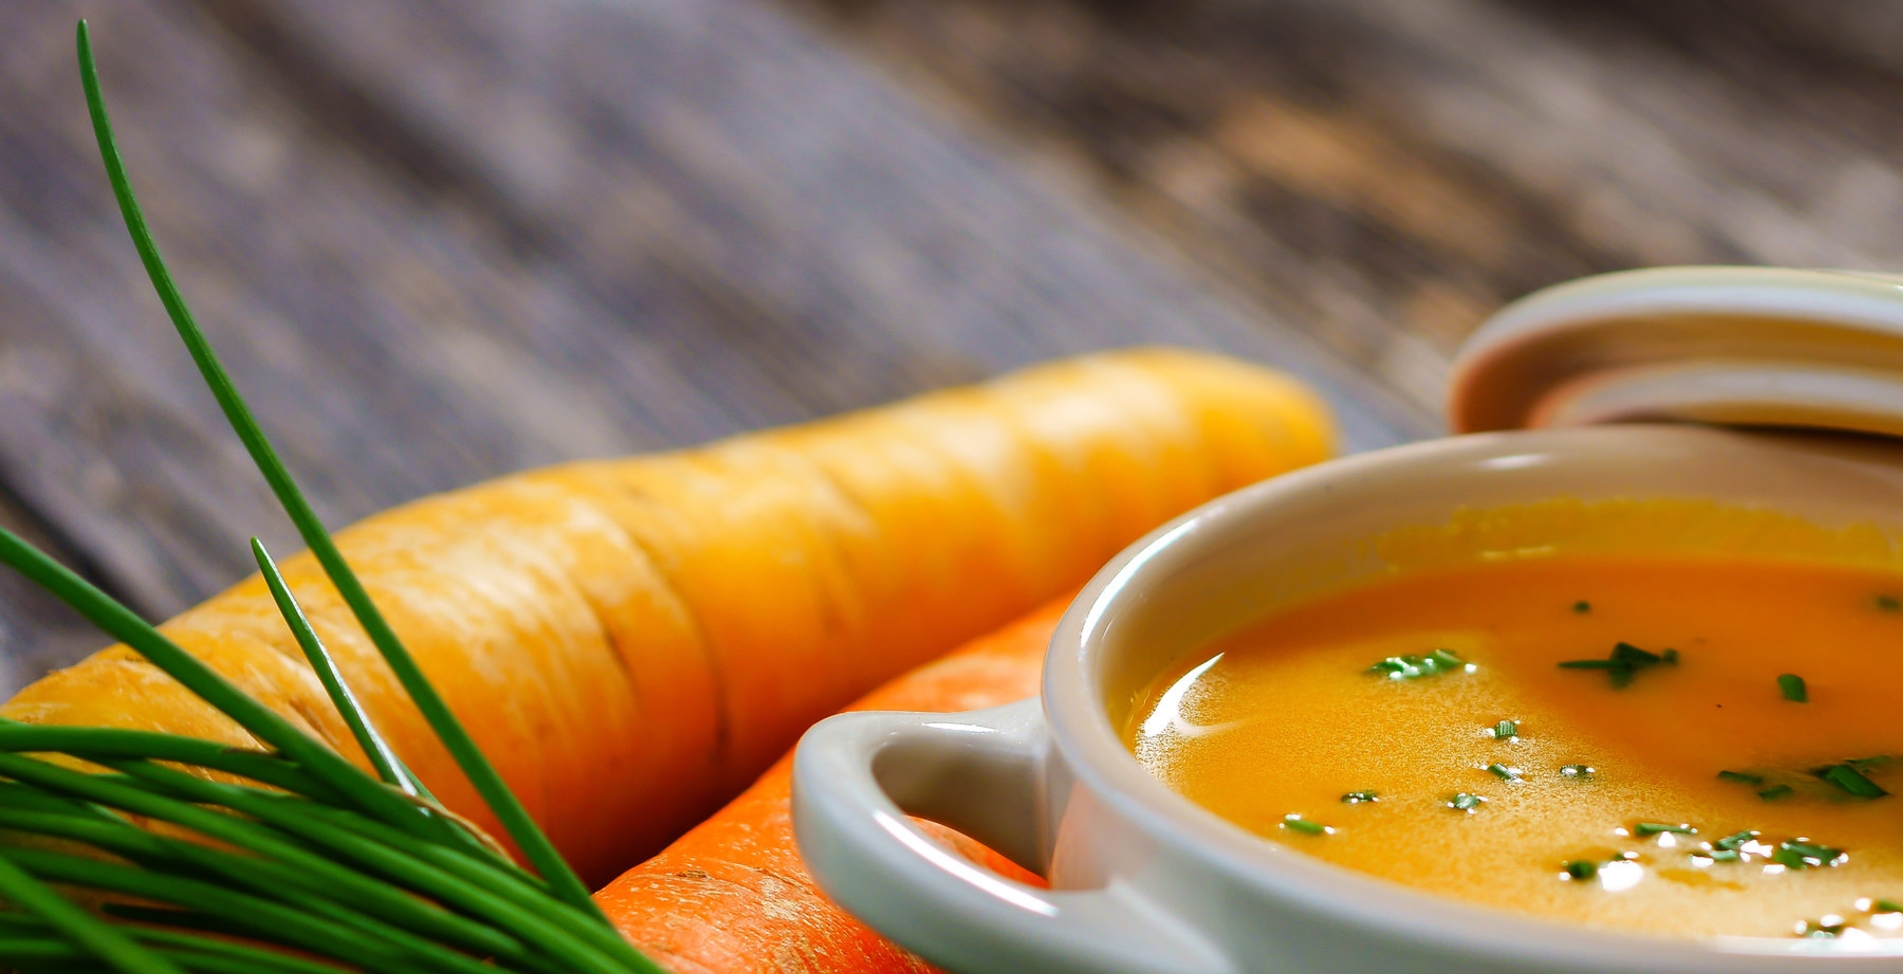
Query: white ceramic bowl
[1146,881]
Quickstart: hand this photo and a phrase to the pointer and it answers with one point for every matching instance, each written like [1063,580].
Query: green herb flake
[1788,858]
[1410,667]
[1631,655]
[1803,854]
[1724,855]
[1851,780]
[1792,686]
[1464,802]
[1623,663]
[1886,906]
[1582,607]
[1505,729]
[1296,823]
[1741,777]
[1775,792]
[1581,869]
[1577,772]
[1888,603]
[1735,841]
[1644,829]
[1357,797]
[1816,930]
[1503,772]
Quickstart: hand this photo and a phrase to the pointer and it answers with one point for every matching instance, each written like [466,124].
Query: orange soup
[1680,745]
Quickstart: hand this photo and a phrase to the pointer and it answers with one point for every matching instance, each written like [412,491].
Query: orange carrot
[633,641]
[732,896]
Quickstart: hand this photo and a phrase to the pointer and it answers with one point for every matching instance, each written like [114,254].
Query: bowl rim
[1533,344]
[1096,758]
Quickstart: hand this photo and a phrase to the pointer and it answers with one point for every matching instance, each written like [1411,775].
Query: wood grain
[439,242]
[1385,173]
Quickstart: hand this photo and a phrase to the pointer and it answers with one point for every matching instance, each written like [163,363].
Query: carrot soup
[1677,744]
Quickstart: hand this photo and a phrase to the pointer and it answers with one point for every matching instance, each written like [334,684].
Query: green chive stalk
[281,859]
[495,792]
[382,757]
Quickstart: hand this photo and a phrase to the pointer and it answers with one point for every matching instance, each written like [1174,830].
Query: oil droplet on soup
[1683,746]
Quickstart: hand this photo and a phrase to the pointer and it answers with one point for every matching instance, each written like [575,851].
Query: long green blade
[291,864]
[383,757]
[261,917]
[196,952]
[515,819]
[94,743]
[85,931]
[389,767]
[123,624]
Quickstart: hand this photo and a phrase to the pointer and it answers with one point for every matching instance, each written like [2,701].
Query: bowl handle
[857,776]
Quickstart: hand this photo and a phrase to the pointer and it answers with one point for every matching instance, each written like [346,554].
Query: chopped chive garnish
[1735,841]
[1886,906]
[1724,855]
[1576,771]
[1582,607]
[1506,729]
[1464,802]
[1793,688]
[1582,869]
[1631,655]
[1811,850]
[1503,772]
[1741,777]
[1790,859]
[1414,667]
[1851,780]
[1357,797]
[1296,823]
[1624,661]
[1644,829]
[1775,792]
[1817,930]
[1799,854]
[1871,762]
[1889,603]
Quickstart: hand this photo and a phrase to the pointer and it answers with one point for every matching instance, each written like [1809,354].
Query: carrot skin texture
[632,642]
[733,897]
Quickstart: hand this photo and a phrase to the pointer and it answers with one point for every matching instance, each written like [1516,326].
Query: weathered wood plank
[443,241]
[1384,173]
[845,242]
[391,358]
[436,245]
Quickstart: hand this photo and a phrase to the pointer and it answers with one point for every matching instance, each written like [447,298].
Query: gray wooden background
[439,241]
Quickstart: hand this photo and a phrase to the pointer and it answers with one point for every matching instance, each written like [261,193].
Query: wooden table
[442,241]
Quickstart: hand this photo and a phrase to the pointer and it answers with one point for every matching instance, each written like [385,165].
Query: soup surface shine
[1686,784]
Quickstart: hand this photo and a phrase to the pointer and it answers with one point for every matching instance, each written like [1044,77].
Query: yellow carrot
[633,641]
